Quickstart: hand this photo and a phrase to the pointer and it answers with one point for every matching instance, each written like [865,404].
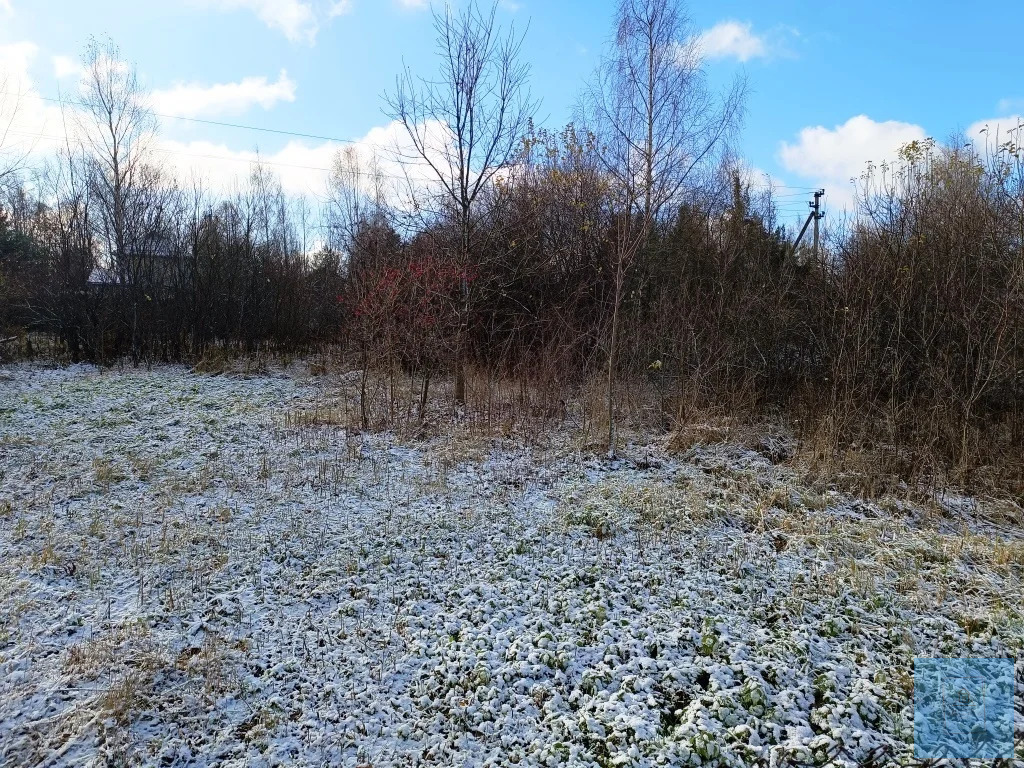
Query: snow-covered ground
[191,573]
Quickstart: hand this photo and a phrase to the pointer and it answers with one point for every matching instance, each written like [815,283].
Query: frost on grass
[193,575]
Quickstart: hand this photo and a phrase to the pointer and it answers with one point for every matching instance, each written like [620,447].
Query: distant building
[157,265]
[103,277]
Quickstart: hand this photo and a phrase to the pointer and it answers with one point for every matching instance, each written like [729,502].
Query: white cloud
[65,66]
[758,179]
[28,124]
[6,9]
[299,166]
[194,100]
[339,8]
[304,168]
[988,134]
[732,39]
[832,157]
[295,18]
[33,128]
[299,20]
[16,57]
[842,152]
[737,40]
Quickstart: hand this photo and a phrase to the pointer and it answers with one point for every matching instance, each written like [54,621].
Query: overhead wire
[205,121]
[799,191]
[225,158]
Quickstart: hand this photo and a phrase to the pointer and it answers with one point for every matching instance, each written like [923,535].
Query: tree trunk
[424,394]
[364,418]
[612,349]
[460,352]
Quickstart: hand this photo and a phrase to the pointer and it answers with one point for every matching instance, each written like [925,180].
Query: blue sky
[832,84]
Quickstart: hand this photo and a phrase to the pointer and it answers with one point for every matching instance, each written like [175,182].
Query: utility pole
[816,206]
[815,215]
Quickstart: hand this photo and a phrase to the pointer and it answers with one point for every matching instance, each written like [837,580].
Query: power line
[241,126]
[178,152]
[798,190]
[225,158]
[357,172]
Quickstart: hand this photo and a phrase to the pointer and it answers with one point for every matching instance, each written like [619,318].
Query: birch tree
[659,124]
[117,128]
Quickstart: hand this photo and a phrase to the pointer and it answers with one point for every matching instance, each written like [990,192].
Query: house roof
[104,276]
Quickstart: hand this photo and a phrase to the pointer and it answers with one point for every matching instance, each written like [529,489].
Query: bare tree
[482,106]
[659,123]
[117,128]
[359,227]
[64,304]
[356,194]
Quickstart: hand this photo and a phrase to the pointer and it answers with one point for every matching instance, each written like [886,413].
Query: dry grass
[218,361]
[106,473]
[530,411]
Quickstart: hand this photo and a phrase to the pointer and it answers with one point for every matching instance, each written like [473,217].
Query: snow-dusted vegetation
[201,570]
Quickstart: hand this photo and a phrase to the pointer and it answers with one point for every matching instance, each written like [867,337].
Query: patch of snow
[187,580]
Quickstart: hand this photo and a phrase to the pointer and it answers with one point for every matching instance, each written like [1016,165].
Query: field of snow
[200,570]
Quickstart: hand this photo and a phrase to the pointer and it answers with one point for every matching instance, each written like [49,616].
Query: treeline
[905,335]
[627,246]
